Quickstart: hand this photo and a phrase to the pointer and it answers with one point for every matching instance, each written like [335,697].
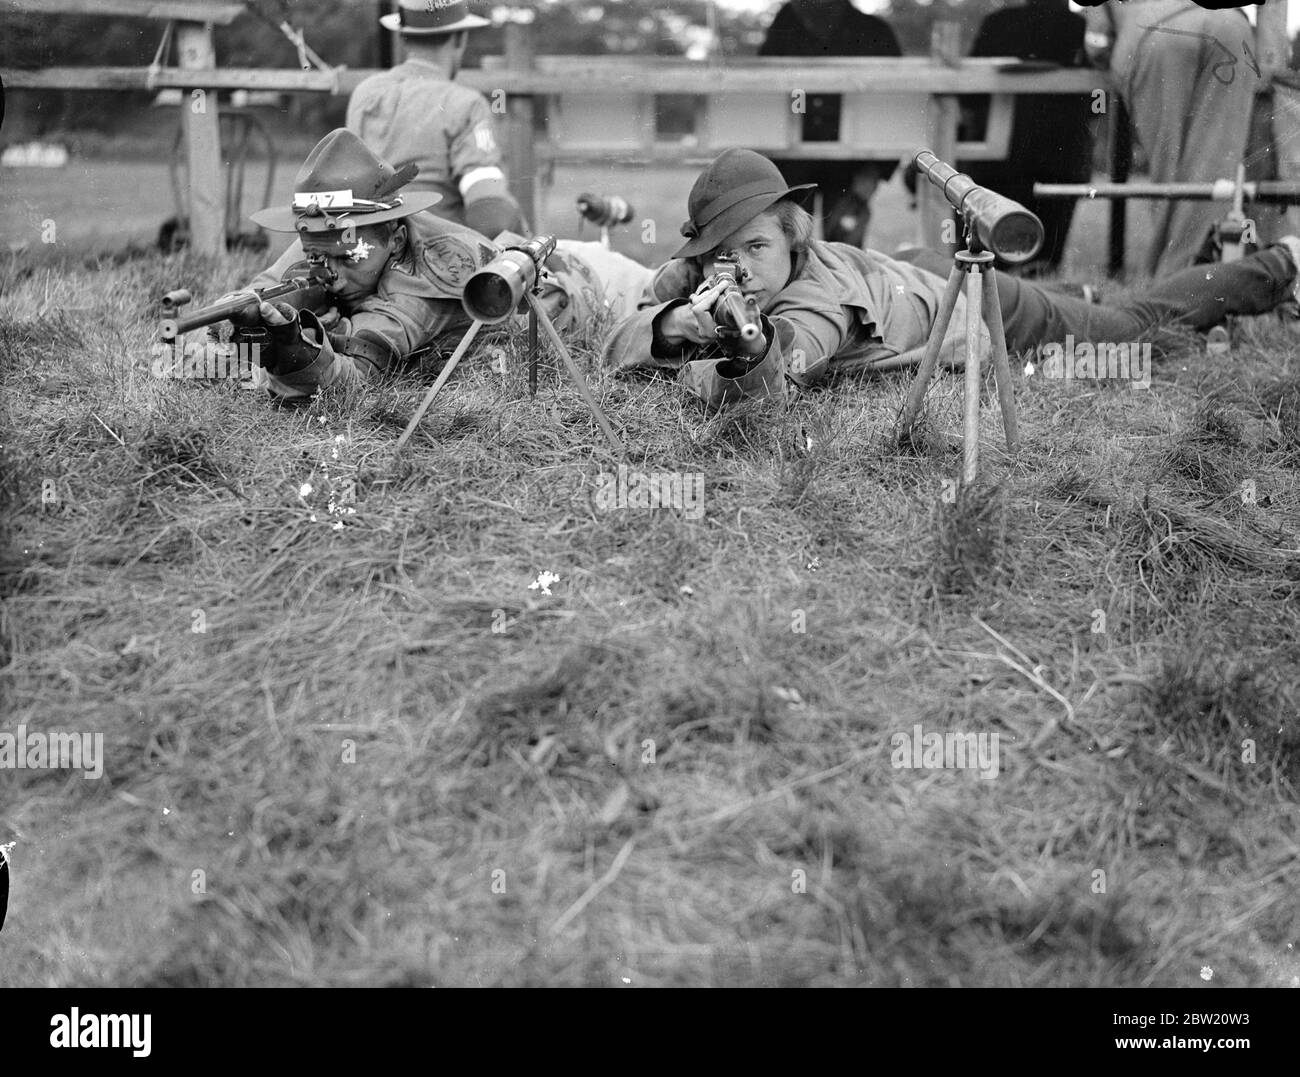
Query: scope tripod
[976,266]
[536,317]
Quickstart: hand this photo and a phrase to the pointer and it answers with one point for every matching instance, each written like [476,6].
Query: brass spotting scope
[494,293]
[994,222]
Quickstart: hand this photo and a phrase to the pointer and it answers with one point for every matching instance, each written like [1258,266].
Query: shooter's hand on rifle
[291,348]
[249,332]
[717,312]
[277,330]
[692,322]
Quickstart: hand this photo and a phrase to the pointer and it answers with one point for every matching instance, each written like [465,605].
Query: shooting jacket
[417,302]
[844,310]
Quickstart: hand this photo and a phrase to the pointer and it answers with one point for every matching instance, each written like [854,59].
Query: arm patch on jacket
[448,263]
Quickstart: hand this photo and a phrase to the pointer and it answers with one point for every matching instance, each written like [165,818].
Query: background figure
[1274,145]
[1189,87]
[416,113]
[1051,137]
[832,28]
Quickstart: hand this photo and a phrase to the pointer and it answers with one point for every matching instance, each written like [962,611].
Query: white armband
[478,175]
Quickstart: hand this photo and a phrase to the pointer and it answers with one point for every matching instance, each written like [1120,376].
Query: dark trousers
[1196,298]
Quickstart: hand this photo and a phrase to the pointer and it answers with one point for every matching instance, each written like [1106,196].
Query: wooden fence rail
[603,108]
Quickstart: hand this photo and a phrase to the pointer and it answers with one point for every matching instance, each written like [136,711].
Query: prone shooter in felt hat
[824,308]
[398,273]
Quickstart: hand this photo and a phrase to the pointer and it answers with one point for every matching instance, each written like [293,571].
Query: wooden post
[207,208]
[1120,150]
[942,118]
[521,168]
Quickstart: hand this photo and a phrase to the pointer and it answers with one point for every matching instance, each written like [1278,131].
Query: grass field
[347,740]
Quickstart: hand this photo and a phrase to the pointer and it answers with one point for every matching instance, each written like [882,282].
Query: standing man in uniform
[417,114]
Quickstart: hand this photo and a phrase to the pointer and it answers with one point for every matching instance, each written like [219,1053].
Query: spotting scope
[993,221]
[605,212]
[494,293]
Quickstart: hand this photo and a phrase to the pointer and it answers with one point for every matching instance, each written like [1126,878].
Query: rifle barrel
[252,297]
[735,310]
[1276,192]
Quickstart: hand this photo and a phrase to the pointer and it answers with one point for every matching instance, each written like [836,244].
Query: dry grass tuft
[1216,711]
[971,549]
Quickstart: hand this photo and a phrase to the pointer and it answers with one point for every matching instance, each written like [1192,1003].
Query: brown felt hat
[343,183]
[422,17]
[736,187]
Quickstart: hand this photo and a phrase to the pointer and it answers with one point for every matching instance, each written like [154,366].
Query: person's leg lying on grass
[1198,297]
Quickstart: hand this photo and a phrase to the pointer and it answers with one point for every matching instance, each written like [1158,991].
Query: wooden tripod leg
[1001,364]
[576,375]
[921,383]
[445,373]
[971,423]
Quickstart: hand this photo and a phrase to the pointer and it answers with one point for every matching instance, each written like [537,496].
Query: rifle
[735,312]
[174,323]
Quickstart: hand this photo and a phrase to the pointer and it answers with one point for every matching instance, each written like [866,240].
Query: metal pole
[533,358]
[575,374]
[971,413]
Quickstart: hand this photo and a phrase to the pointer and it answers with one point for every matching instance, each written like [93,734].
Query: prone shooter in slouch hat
[397,272]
